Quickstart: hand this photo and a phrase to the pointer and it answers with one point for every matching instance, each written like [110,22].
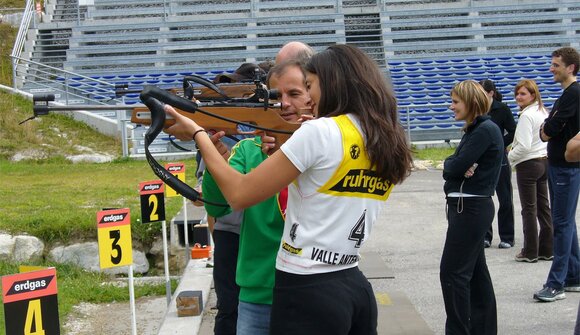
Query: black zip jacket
[562,124]
[482,143]
[502,116]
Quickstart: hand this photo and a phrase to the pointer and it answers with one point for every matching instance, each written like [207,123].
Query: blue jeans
[564,187]
[253,319]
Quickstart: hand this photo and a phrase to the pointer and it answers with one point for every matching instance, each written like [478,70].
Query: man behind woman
[529,156]
[356,133]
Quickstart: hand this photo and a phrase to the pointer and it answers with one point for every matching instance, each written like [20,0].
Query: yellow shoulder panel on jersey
[353,177]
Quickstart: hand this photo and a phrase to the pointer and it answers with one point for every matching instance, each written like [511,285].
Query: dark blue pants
[564,187]
[225,257]
[465,281]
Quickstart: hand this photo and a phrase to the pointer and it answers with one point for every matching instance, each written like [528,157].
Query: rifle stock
[256,116]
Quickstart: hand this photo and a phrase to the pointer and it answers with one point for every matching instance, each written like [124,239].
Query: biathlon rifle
[223,114]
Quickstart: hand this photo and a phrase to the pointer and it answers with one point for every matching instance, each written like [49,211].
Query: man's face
[560,71]
[294,97]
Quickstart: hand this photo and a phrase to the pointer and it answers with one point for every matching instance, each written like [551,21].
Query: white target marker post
[178,170]
[116,248]
[153,210]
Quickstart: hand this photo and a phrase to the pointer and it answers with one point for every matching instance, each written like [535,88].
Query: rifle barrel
[92,108]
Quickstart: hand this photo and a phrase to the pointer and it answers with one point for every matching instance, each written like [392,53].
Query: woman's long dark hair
[351,82]
[489,86]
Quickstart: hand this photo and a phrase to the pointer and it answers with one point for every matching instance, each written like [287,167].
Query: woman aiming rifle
[339,168]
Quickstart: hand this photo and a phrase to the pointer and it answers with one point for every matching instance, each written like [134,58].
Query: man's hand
[268,144]
[198,203]
[219,145]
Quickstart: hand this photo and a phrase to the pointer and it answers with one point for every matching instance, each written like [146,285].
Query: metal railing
[73,88]
[27,16]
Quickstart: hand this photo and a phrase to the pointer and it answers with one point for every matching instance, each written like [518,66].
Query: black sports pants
[465,281]
[224,276]
[334,303]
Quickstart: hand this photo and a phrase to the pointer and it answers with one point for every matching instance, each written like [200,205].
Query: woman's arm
[523,139]
[240,190]
[572,153]
[456,165]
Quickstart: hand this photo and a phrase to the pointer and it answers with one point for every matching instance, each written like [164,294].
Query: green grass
[57,201]
[433,154]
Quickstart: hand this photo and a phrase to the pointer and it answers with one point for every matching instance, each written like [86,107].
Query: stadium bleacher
[424,46]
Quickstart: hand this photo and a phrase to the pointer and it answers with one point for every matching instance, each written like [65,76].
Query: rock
[27,249]
[90,158]
[86,255]
[6,246]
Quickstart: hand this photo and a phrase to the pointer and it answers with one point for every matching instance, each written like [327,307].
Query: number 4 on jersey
[357,233]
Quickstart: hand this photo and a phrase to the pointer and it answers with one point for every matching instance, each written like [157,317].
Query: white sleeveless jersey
[334,202]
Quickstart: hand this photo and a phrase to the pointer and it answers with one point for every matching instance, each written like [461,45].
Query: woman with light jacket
[529,156]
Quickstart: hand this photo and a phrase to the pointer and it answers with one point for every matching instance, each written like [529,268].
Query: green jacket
[261,231]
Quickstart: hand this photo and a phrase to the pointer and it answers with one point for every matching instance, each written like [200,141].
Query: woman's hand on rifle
[185,129]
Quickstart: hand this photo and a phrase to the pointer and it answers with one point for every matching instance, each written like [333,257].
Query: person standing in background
[501,115]
[564,178]
[471,175]
[529,155]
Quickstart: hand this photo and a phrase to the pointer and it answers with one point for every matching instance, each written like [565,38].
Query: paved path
[410,236]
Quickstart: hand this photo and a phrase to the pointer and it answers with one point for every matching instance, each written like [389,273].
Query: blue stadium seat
[444,125]
[424,118]
[443,117]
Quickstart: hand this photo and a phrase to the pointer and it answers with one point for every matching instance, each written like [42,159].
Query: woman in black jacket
[471,175]
[501,114]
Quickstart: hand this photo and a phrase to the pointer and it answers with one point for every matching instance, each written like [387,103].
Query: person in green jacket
[263,223]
